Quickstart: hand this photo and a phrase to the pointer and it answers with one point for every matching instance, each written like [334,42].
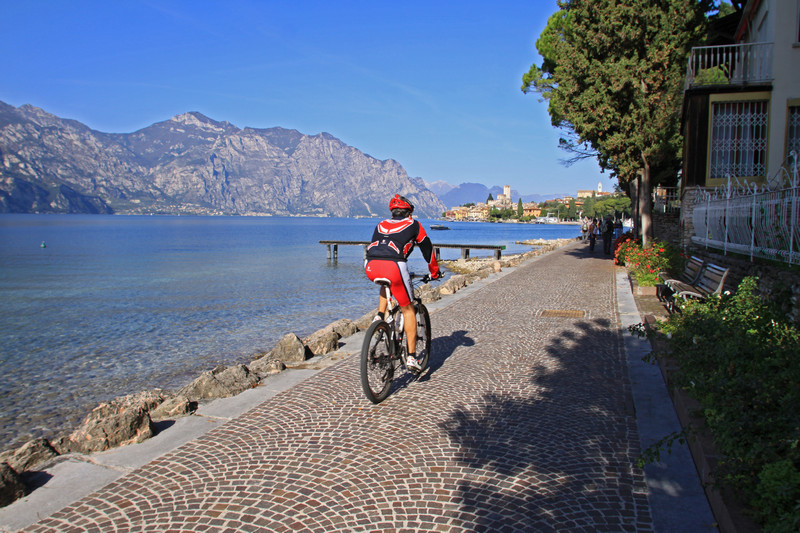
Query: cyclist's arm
[426,247]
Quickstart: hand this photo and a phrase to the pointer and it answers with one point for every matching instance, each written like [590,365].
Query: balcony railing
[736,64]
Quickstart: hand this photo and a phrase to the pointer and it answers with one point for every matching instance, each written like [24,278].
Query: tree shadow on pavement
[553,450]
[442,348]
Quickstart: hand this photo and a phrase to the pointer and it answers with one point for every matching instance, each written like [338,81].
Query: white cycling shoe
[413,364]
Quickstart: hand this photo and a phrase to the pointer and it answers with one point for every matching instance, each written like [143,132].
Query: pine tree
[613,75]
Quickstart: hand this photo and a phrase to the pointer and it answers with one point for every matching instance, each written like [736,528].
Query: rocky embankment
[130,419]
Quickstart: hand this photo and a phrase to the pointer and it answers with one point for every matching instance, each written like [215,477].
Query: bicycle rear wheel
[377,368]
[423,336]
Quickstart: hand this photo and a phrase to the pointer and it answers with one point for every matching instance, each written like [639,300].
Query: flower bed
[645,262]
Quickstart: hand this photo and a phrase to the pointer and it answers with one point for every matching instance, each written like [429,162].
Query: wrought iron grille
[739,138]
[793,133]
[754,221]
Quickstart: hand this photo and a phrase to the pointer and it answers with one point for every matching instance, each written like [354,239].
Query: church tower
[599,186]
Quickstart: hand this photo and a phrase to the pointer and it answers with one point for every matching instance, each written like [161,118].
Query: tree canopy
[612,73]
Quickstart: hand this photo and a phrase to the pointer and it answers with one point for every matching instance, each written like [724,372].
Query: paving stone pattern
[522,423]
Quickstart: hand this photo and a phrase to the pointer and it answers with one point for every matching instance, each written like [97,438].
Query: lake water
[115,305]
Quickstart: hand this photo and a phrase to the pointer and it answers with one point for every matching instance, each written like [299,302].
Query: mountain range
[191,164]
[476,192]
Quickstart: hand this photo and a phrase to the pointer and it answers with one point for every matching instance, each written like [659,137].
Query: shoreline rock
[129,419]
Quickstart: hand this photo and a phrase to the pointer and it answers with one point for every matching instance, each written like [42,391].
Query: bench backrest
[712,279]
[693,270]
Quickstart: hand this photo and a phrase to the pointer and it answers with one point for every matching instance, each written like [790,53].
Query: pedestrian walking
[594,233]
[607,229]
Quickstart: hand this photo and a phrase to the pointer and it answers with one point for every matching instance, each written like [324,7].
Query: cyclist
[392,242]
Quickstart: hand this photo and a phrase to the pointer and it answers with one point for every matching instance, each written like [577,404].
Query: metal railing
[748,220]
[667,200]
[735,64]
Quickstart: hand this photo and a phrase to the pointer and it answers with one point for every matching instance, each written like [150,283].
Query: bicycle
[383,352]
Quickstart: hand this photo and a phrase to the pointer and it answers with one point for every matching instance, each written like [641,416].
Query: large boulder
[365,321]
[290,349]
[343,327]
[322,342]
[221,382]
[29,455]
[11,486]
[452,285]
[264,366]
[119,422]
[173,406]
[427,293]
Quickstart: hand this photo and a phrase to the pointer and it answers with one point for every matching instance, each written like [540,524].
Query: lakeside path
[526,421]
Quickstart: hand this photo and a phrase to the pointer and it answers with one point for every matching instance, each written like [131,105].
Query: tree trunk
[634,191]
[645,204]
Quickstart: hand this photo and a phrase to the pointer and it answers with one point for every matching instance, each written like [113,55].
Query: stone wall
[667,227]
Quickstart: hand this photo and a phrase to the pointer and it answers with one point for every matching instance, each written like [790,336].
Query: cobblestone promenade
[524,422]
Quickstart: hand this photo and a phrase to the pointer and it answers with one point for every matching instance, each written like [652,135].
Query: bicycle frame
[383,352]
[394,316]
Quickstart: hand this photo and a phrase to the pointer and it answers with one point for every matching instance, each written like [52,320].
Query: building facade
[741,109]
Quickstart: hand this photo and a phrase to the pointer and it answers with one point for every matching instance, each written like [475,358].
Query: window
[739,139]
[793,132]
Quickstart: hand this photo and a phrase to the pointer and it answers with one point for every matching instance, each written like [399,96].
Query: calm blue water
[114,305]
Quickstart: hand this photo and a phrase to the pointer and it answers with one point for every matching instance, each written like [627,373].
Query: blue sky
[433,85]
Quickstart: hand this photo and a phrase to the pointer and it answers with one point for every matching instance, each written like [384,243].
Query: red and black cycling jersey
[394,239]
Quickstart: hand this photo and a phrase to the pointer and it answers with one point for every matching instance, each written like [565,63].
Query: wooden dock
[333,248]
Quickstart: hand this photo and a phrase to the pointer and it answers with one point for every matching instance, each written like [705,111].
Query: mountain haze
[477,192]
[194,165]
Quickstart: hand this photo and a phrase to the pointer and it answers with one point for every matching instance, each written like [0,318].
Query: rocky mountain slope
[191,164]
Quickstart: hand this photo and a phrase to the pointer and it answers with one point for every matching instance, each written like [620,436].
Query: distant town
[586,203]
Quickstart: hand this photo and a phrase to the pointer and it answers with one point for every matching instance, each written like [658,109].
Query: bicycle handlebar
[425,278]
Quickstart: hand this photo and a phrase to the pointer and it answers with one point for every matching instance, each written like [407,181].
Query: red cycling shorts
[396,274]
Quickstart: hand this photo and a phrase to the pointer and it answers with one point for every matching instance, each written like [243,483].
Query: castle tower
[507,191]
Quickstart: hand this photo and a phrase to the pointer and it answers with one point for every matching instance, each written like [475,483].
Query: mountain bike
[383,352]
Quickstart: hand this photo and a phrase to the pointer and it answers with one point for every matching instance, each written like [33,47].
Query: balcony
[726,65]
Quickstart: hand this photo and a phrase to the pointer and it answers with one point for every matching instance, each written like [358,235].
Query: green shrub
[738,356]
[778,500]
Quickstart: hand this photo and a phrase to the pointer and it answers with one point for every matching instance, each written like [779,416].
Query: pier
[333,248]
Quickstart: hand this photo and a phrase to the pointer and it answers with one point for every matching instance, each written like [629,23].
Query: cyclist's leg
[383,302]
[410,327]
[403,292]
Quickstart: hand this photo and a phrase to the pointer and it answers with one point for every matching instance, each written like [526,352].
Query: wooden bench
[691,273]
[710,281]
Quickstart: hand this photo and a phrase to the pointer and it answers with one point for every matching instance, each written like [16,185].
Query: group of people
[607,228]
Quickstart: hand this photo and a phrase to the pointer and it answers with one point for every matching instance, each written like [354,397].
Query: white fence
[734,64]
[752,221]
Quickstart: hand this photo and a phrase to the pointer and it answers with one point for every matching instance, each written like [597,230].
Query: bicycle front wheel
[377,368]
[423,336]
